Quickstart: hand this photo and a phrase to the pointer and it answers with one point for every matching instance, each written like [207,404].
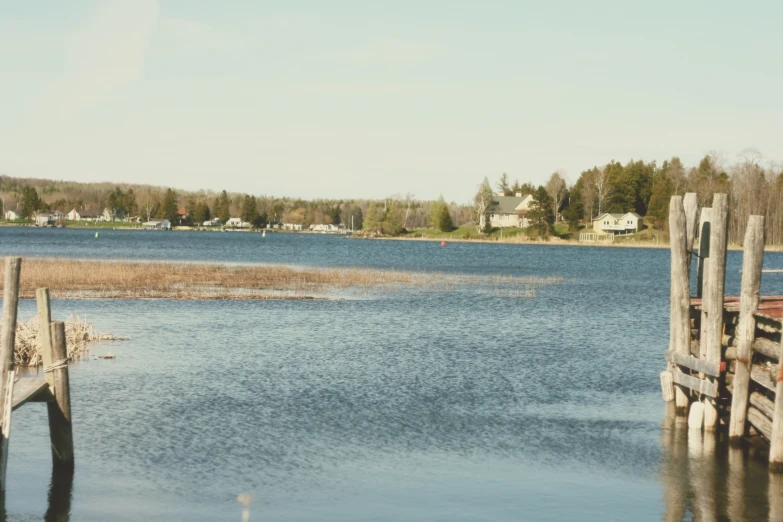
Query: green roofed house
[628,223]
[509,211]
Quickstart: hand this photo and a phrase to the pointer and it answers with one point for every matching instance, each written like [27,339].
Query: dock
[724,359]
[53,388]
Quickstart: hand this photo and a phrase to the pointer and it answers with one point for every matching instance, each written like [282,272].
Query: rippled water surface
[448,406]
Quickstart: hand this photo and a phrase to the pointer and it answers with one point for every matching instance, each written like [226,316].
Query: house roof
[634,214]
[506,204]
[615,216]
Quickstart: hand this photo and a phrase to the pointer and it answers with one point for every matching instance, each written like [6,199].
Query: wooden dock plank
[694,383]
[27,390]
[760,421]
[761,375]
[694,363]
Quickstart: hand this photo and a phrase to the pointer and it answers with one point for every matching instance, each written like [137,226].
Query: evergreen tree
[436,211]
[371,223]
[222,210]
[445,223]
[541,215]
[168,209]
[658,210]
[30,202]
[393,218]
[249,209]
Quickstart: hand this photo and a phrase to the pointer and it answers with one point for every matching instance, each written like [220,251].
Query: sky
[348,99]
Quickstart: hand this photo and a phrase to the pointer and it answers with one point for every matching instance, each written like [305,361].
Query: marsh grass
[79,336]
[67,278]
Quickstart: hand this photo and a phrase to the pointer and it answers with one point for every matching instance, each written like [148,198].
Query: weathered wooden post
[752,261]
[60,429]
[701,274]
[713,295]
[690,204]
[45,332]
[704,249]
[679,319]
[13,266]
[776,439]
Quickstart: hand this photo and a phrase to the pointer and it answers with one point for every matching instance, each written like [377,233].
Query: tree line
[754,186]
[390,216]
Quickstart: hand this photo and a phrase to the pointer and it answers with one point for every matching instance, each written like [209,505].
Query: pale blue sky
[368,99]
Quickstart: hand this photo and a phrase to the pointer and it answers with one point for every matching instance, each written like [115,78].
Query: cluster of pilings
[724,352]
[53,388]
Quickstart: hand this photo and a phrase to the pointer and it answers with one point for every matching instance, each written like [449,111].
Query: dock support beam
[752,261]
[714,282]
[679,320]
[13,266]
[60,428]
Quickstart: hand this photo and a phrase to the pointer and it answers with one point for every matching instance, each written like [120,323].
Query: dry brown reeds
[68,278]
[79,334]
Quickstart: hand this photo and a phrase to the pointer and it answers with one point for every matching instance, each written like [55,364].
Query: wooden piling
[13,266]
[60,429]
[44,332]
[690,205]
[679,319]
[776,437]
[704,249]
[713,294]
[752,261]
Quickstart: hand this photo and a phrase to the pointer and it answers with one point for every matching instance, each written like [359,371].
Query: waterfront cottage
[509,211]
[157,225]
[11,215]
[74,216]
[628,223]
[44,219]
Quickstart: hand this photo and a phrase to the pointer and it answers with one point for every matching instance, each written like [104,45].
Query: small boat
[107,356]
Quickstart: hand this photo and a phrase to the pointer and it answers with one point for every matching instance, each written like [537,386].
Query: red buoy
[442,243]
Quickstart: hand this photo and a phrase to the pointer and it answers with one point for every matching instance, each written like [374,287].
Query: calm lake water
[424,406]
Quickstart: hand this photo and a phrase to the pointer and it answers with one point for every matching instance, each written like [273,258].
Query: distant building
[44,219]
[163,224]
[326,228]
[11,215]
[74,216]
[107,215]
[628,223]
[291,226]
[57,215]
[212,223]
[509,211]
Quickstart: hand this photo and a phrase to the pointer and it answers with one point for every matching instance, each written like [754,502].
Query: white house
[325,228]
[509,211]
[212,223]
[628,223]
[11,215]
[107,215]
[44,219]
[57,215]
[291,226]
[164,224]
[73,216]
[238,223]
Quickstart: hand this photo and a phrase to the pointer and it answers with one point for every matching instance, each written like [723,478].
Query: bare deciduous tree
[556,188]
[602,188]
[482,201]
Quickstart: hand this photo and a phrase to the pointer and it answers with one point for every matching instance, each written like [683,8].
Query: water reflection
[706,480]
[60,494]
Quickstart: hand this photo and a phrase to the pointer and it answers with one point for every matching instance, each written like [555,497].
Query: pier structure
[53,388]
[724,358]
